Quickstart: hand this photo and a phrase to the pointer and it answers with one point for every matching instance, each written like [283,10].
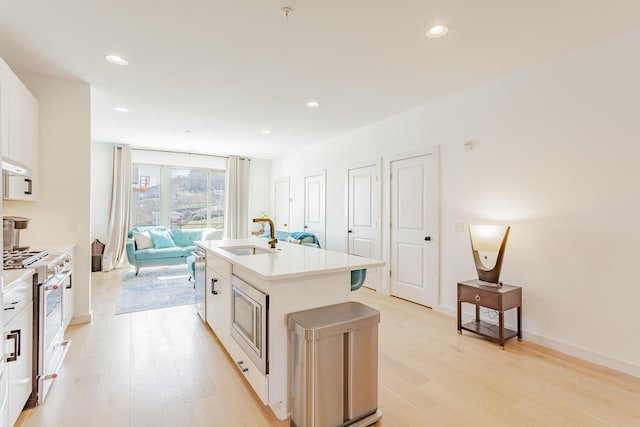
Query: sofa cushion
[156,253]
[212,234]
[162,239]
[188,250]
[143,240]
[186,237]
[147,228]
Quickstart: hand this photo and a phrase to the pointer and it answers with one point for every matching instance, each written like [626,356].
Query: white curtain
[120,208]
[236,217]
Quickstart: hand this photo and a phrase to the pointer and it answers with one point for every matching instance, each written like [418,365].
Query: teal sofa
[183,241]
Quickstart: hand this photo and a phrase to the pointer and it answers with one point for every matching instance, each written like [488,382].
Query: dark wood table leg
[477,313]
[459,316]
[520,323]
[501,326]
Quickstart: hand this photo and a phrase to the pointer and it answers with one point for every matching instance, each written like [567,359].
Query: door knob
[427,239]
[350,231]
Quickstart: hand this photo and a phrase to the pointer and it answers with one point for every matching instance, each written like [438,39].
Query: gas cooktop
[21,258]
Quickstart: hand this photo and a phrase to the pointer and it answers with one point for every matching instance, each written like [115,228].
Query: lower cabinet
[218,304]
[18,335]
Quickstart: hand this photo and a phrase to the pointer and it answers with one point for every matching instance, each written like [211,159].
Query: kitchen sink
[248,250]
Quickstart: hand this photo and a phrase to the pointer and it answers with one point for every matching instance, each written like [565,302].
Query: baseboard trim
[571,350]
[584,354]
[82,318]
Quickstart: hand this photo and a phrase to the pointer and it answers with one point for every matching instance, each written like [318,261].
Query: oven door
[249,321]
[51,331]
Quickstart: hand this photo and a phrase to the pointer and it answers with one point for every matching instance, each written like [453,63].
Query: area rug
[155,288]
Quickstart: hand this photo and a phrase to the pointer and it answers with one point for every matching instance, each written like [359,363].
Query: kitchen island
[295,278]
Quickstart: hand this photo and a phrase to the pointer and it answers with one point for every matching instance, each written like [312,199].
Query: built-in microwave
[249,318]
[17,181]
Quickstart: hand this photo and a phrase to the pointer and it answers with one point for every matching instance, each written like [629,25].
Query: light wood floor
[165,368]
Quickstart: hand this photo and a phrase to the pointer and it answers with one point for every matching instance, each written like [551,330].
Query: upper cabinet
[19,133]
[5,74]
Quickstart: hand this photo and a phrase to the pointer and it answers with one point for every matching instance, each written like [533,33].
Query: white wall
[555,156]
[61,214]
[101,169]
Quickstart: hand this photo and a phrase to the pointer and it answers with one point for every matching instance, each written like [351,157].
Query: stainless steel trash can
[334,366]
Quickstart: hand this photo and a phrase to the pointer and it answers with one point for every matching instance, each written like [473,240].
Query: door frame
[433,151]
[275,200]
[377,162]
[323,173]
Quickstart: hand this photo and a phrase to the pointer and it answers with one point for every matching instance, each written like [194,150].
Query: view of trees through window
[193,198]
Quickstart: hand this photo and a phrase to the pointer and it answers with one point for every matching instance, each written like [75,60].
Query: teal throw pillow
[162,239]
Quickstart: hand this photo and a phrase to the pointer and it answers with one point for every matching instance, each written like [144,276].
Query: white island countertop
[288,260]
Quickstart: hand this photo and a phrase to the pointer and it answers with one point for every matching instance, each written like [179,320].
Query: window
[177,197]
[145,195]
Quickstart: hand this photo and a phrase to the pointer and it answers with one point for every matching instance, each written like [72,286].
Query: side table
[501,299]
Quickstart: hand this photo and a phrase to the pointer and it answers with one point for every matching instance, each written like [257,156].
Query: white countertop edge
[347,262]
[10,278]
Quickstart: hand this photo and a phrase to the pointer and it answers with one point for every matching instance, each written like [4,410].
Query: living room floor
[166,368]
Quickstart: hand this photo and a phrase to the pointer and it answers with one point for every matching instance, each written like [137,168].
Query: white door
[414,228]
[282,200]
[314,198]
[364,217]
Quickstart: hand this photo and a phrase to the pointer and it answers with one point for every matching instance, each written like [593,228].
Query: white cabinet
[19,133]
[218,298]
[5,77]
[18,346]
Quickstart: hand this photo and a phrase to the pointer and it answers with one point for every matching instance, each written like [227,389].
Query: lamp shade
[487,238]
[488,241]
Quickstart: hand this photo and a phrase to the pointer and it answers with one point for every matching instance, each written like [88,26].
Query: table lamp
[488,243]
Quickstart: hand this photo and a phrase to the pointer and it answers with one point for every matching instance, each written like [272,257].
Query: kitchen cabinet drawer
[258,381]
[221,266]
[485,298]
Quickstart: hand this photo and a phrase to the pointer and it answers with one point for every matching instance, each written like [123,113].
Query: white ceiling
[225,70]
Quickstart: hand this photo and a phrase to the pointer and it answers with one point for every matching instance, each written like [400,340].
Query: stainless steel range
[54,274]
[21,259]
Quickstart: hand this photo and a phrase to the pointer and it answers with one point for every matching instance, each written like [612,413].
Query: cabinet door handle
[213,286]
[242,368]
[478,297]
[15,336]
[427,239]
[29,182]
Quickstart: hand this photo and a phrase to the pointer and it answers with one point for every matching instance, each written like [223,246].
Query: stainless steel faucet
[272,231]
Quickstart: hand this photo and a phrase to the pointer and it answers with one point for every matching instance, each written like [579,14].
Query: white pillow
[211,234]
[143,240]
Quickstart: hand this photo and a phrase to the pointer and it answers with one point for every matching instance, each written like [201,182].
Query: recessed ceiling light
[312,104]
[121,109]
[437,31]
[115,59]
[265,131]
